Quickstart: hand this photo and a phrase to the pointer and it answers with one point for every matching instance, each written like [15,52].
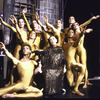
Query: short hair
[23,45]
[66,35]
[21,51]
[70,29]
[20,18]
[60,20]
[55,37]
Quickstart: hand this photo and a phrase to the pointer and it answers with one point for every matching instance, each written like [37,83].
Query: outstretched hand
[2,46]
[24,10]
[95,17]
[36,16]
[89,30]
[13,19]
[45,19]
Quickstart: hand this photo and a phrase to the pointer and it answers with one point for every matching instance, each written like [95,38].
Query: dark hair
[23,45]
[66,35]
[60,20]
[55,37]
[73,26]
[21,51]
[20,18]
[34,32]
[71,29]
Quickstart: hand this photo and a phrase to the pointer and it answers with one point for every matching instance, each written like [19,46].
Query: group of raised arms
[70,42]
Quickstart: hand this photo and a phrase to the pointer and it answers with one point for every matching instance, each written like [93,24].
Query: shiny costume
[82,25]
[26,41]
[52,63]
[57,32]
[39,34]
[25,71]
[46,34]
[70,50]
[18,46]
[81,55]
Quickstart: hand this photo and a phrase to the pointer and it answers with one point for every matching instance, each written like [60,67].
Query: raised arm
[2,47]
[18,30]
[39,22]
[89,21]
[77,37]
[48,24]
[8,25]
[88,30]
[27,23]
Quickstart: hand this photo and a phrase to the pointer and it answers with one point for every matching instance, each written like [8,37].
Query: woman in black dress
[53,62]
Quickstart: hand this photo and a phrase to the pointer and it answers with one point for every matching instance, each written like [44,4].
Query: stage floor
[91,92]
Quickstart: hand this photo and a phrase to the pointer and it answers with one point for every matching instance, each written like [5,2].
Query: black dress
[53,69]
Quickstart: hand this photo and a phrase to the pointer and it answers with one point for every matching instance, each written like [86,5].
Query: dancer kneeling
[70,48]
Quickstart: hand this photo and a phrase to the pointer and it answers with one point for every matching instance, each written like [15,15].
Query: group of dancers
[63,49]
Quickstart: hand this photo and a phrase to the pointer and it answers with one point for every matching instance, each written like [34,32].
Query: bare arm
[27,23]
[89,21]
[15,61]
[8,25]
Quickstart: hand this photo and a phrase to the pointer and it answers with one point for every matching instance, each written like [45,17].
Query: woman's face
[21,23]
[32,35]
[35,24]
[76,26]
[71,20]
[53,41]
[70,33]
[26,50]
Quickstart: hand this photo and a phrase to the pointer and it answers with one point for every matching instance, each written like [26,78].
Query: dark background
[83,10]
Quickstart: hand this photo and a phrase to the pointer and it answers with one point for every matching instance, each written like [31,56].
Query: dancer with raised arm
[25,68]
[70,48]
[35,28]
[56,31]
[30,40]
[19,42]
[82,49]
[47,33]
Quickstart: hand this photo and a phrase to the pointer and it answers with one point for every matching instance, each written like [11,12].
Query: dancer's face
[32,35]
[58,23]
[71,20]
[26,50]
[70,33]
[35,24]
[76,26]
[53,40]
[21,23]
